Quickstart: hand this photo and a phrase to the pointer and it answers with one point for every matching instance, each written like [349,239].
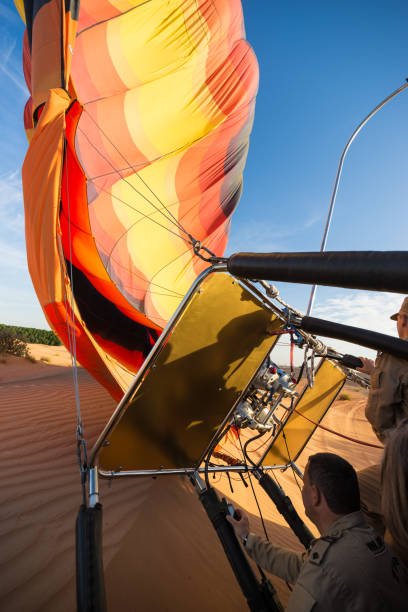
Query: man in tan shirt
[348,567]
[387,401]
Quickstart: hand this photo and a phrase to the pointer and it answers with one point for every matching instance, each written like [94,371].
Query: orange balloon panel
[153,147]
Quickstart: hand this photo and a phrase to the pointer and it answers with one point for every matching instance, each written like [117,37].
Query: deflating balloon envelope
[138,121]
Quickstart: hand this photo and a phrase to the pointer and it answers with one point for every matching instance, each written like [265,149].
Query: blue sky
[323,67]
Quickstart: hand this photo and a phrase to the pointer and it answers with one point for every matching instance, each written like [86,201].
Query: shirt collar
[346,522]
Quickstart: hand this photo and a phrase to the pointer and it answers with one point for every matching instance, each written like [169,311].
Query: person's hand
[367,367]
[240,524]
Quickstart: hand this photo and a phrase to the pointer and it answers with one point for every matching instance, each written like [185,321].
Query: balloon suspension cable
[161,208]
[168,215]
[338,176]
[81,445]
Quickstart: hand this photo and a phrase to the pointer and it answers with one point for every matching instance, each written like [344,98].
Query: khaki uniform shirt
[349,569]
[387,401]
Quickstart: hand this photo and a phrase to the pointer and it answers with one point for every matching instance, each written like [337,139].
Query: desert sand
[160,551]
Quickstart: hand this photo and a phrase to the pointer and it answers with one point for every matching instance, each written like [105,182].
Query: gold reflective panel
[313,403]
[197,375]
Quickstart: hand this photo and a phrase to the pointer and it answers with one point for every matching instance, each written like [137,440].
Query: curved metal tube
[338,175]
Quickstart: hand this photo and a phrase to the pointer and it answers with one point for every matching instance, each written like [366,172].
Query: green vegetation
[11,345]
[31,335]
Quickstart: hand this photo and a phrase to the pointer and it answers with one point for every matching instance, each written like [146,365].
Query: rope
[70,324]
[336,433]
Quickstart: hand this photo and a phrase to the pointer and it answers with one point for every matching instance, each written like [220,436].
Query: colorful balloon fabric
[138,121]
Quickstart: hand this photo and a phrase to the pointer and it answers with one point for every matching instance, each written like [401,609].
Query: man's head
[330,489]
[401,317]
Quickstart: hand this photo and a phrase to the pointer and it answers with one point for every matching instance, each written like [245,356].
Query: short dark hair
[337,480]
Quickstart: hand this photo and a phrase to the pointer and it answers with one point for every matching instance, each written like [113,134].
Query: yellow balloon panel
[198,375]
[310,408]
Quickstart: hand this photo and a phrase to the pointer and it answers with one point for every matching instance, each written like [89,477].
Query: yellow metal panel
[313,403]
[209,358]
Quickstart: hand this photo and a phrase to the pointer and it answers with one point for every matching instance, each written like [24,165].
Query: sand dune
[160,552]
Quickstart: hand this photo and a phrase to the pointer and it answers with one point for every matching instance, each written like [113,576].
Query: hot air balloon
[138,121]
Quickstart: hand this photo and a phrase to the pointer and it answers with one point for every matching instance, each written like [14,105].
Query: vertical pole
[260,596]
[89,552]
[93,487]
[284,505]
[338,175]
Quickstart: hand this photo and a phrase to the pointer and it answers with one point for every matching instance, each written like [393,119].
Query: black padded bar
[284,505]
[260,597]
[89,565]
[363,337]
[372,270]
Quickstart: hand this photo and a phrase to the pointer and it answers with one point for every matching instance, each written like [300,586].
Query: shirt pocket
[376,379]
[300,600]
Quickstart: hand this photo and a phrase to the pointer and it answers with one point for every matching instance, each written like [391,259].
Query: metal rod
[296,469]
[188,471]
[93,487]
[338,176]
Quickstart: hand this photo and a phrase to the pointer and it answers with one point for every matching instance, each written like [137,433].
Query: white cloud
[253,236]
[312,220]
[266,235]
[361,309]
[12,250]
[8,65]
[12,257]
[9,14]
[11,203]
[10,187]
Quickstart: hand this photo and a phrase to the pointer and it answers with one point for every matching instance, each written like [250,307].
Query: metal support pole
[260,597]
[93,487]
[338,175]
[89,552]
[296,469]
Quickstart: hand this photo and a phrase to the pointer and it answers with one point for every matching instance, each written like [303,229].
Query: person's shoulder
[351,539]
[361,546]
[387,358]
[332,575]
[348,537]
[394,368]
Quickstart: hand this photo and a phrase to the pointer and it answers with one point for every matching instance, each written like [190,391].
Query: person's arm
[279,561]
[385,397]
